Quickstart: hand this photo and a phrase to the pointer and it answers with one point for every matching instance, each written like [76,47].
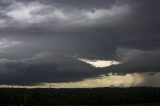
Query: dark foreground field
[97,96]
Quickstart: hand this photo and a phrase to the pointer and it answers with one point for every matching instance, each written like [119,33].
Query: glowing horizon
[110,80]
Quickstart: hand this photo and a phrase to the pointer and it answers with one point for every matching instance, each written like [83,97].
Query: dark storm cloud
[138,61]
[126,30]
[140,29]
[44,67]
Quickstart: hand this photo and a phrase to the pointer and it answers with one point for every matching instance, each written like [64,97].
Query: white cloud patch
[24,13]
[34,12]
[100,63]
[6,43]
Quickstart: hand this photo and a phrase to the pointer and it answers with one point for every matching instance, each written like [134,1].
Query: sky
[67,42]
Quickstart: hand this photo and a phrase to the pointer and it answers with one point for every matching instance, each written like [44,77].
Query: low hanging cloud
[137,61]
[44,67]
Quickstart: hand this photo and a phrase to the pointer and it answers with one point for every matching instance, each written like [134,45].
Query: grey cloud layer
[58,15]
[44,67]
[126,30]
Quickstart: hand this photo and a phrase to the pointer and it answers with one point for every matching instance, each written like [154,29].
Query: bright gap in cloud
[100,63]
